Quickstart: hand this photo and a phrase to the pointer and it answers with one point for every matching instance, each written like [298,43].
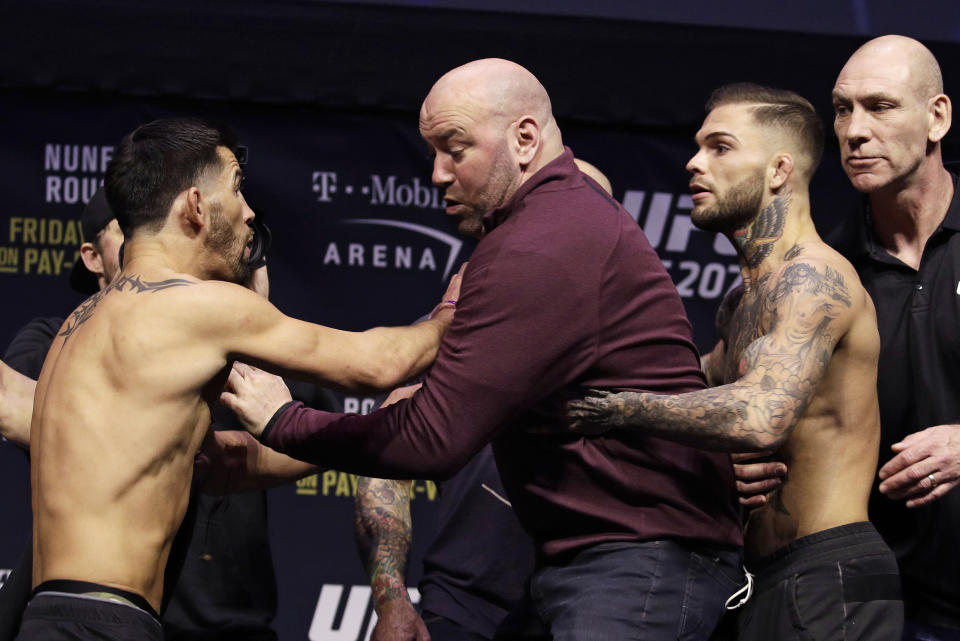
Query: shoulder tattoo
[132,283]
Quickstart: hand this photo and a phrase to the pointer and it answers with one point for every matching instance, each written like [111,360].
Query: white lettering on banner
[358,619]
[325,184]
[402,254]
[388,190]
[392,191]
[415,194]
[71,189]
[669,231]
[356,405]
[90,159]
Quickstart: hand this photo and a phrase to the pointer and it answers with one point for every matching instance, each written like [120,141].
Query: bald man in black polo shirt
[890,117]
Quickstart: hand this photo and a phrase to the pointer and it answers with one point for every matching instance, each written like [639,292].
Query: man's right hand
[254,396]
[398,621]
[756,478]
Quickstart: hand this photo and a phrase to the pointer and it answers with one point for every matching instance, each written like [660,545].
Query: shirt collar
[558,170]
[861,239]
[952,219]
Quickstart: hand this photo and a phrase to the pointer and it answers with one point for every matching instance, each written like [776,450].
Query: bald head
[890,115]
[500,88]
[909,58]
[592,171]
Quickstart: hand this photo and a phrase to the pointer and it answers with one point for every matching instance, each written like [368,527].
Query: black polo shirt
[918,312]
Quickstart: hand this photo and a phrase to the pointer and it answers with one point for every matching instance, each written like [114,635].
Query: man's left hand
[596,412]
[398,621]
[926,467]
[254,396]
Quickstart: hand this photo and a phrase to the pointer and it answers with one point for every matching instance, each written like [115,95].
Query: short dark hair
[156,162]
[777,108]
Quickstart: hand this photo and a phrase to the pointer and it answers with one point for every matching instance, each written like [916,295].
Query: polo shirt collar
[952,219]
[559,169]
[863,240]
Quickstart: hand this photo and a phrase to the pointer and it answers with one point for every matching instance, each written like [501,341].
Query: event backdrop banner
[359,239]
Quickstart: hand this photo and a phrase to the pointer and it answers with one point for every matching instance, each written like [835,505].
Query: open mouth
[698,191]
[451,205]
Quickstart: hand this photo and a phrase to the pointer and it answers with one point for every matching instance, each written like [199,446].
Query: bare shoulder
[222,306]
[172,299]
[815,270]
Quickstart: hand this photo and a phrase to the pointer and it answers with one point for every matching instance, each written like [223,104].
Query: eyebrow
[719,134]
[449,133]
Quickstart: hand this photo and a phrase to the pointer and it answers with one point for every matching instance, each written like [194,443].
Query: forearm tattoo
[778,371]
[130,283]
[383,531]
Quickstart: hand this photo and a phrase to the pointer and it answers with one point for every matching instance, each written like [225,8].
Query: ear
[91,258]
[191,209]
[940,116]
[527,139]
[780,170]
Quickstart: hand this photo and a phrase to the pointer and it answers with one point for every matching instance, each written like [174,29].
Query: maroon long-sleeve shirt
[563,292]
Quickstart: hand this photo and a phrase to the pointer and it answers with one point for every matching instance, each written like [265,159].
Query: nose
[442,171]
[247,212]
[694,164]
[854,127]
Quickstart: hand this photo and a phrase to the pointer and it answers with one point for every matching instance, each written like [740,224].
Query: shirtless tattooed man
[797,376]
[123,401]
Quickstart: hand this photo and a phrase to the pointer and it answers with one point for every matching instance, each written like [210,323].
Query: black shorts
[840,583]
[70,615]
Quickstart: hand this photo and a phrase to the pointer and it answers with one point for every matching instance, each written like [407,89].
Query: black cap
[95,217]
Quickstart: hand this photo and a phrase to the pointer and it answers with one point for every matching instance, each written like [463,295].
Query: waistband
[87,589]
[854,539]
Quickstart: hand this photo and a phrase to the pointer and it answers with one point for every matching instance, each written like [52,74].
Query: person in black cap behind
[99,259]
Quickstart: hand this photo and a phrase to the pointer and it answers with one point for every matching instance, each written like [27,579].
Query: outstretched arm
[811,309]
[250,329]
[16,405]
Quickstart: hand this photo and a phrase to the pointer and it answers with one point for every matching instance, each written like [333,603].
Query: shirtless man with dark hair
[797,376]
[123,401]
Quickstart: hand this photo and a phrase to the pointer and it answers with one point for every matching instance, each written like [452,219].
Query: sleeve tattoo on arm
[383,532]
[782,370]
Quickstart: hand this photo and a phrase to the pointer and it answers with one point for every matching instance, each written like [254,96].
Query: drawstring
[744,593]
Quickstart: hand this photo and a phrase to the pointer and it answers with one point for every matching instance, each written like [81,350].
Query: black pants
[840,583]
[443,629]
[68,617]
